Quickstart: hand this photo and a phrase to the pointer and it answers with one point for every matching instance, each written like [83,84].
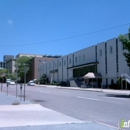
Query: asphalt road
[84,105]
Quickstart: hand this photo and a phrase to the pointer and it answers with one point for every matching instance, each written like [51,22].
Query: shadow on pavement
[118,95]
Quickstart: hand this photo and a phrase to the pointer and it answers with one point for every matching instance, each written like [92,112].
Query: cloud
[10,21]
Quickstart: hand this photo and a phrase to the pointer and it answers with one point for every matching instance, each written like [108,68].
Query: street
[101,107]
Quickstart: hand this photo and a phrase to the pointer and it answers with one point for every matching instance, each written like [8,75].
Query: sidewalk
[29,116]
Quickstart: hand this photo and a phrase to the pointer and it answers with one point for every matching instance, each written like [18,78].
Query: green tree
[43,79]
[126,45]
[3,74]
[20,64]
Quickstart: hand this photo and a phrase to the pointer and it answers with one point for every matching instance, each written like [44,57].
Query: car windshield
[31,81]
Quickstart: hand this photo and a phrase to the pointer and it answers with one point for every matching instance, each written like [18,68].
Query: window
[111,49]
[100,52]
[83,57]
[64,62]
[70,61]
[44,61]
[59,63]
[79,72]
[96,52]
[106,56]
[123,46]
[75,59]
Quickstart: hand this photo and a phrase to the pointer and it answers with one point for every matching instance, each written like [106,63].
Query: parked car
[11,82]
[31,83]
[8,80]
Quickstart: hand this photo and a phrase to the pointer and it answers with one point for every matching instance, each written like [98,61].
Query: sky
[59,27]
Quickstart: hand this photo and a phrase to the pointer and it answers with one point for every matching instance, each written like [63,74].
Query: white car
[11,82]
[31,83]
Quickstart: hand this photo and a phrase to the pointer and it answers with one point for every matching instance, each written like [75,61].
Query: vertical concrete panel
[101,61]
[64,68]
[60,69]
[111,58]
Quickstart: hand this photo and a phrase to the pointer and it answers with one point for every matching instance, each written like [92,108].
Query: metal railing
[125,77]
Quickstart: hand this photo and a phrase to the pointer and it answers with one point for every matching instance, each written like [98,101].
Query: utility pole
[25,71]
[16,78]
[24,79]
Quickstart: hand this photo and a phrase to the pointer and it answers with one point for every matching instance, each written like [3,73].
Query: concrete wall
[10,65]
[70,64]
[111,58]
[101,68]
[86,55]
[60,69]
[65,70]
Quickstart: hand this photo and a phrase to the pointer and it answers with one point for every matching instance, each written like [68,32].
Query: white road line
[88,98]
[64,92]
[116,98]
[43,92]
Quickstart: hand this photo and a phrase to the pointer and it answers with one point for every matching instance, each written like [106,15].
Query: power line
[56,40]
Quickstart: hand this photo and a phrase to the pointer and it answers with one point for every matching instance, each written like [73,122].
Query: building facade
[2,65]
[35,62]
[10,65]
[105,58]
[9,61]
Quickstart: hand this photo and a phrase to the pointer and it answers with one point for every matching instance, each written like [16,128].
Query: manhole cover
[15,103]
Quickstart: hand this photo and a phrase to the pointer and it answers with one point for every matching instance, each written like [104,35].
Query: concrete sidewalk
[29,116]
[10,100]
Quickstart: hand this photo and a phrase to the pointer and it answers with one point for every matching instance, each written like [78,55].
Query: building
[9,61]
[10,65]
[7,57]
[29,55]
[105,58]
[2,65]
[35,62]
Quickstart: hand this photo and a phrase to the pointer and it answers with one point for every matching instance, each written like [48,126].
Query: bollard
[21,92]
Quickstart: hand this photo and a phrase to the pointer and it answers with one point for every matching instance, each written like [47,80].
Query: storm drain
[37,100]
[15,103]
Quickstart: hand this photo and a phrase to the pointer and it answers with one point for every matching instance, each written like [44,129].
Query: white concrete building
[105,58]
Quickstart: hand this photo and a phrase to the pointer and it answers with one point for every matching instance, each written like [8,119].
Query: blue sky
[36,26]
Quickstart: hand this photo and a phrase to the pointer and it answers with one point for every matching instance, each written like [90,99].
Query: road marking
[43,92]
[64,92]
[116,98]
[88,98]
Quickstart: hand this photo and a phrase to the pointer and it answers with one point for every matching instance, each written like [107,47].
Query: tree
[20,64]
[44,79]
[126,45]
[3,74]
